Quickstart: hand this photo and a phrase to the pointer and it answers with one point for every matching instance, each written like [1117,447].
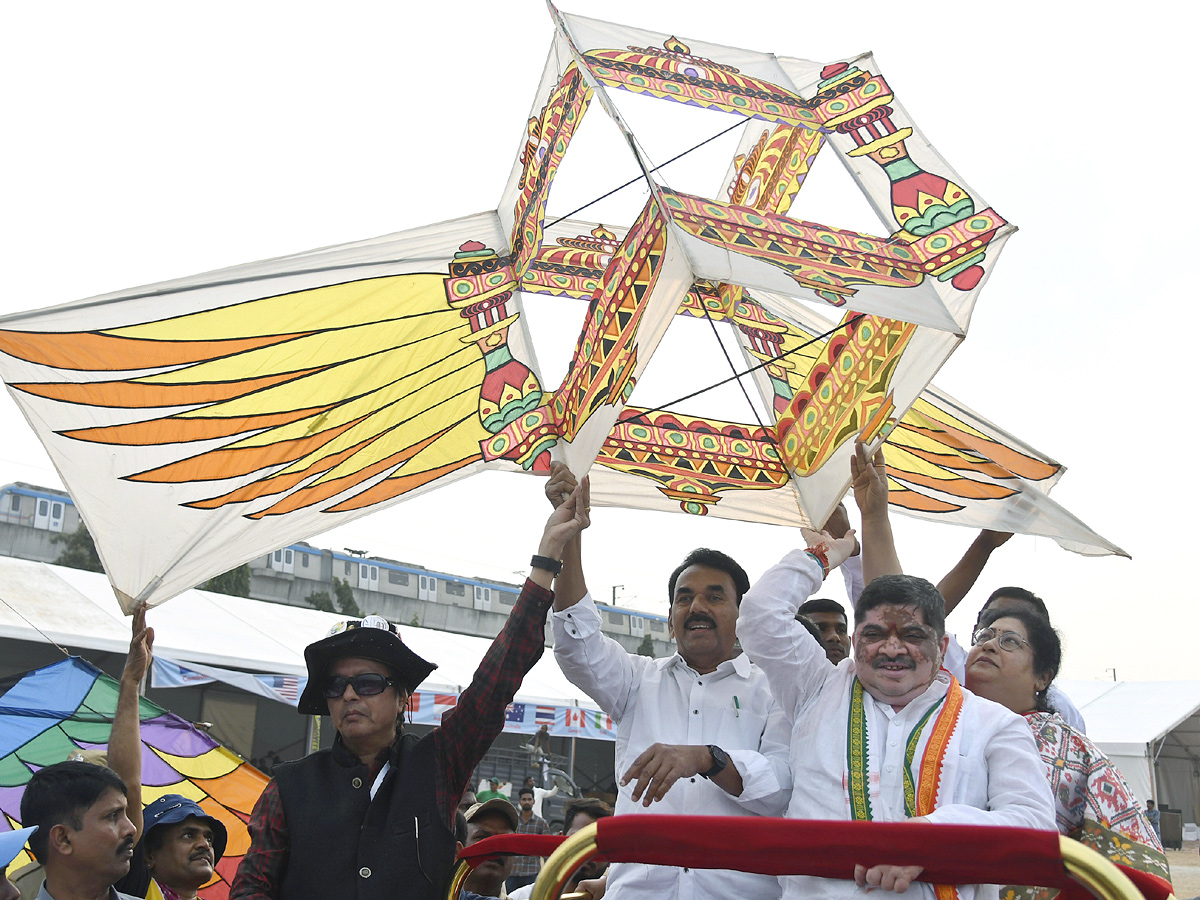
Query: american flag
[515,713]
[544,714]
[287,686]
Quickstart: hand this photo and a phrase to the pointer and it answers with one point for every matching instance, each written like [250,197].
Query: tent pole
[571,761]
[1153,760]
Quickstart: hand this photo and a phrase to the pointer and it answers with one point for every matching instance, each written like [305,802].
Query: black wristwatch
[720,760]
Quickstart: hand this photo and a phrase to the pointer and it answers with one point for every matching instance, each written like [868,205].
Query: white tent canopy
[1151,731]
[78,609]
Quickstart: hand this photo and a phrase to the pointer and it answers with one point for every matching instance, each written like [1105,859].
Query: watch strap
[720,761]
[551,565]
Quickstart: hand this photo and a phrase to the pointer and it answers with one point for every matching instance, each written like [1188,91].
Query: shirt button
[357,783]
[693,781]
[364,872]
[889,768]
[695,712]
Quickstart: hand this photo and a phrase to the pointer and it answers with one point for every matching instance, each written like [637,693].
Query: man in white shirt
[865,731]
[697,732]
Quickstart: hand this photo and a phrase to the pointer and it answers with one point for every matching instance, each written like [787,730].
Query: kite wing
[48,713]
[202,422]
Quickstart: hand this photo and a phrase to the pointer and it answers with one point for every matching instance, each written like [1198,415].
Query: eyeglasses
[366,685]
[1008,640]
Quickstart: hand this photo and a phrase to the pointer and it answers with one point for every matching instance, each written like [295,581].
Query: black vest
[345,845]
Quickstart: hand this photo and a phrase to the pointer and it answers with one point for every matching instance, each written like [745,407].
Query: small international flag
[544,714]
[603,721]
[288,687]
[414,702]
[515,713]
[574,717]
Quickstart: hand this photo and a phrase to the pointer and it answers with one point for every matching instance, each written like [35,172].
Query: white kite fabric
[248,408]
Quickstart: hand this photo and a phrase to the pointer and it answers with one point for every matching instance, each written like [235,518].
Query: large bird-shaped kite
[254,406]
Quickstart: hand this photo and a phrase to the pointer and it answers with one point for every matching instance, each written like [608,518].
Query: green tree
[344,596]
[646,648]
[320,600]
[80,550]
[235,582]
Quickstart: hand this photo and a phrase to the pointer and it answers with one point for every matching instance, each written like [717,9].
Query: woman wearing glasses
[1014,657]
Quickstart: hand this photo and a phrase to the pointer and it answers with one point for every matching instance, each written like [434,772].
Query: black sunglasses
[366,685]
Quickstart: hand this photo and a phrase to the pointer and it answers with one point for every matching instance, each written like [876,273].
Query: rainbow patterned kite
[48,713]
[248,408]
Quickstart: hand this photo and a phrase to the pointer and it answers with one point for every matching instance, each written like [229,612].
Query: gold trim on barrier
[1095,872]
[456,883]
[571,853]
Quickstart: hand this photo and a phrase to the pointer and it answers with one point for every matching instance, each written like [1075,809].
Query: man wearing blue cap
[373,817]
[178,852]
[11,843]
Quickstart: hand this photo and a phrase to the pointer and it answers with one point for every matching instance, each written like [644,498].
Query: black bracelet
[551,565]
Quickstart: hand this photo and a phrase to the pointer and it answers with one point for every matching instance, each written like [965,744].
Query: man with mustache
[485,820]
[84,839]
[697,732]
[178,852]
[887,736]
[374,816]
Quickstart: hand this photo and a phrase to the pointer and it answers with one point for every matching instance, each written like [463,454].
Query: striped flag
[289,687]
[604,721]
[544,714]
[414,702]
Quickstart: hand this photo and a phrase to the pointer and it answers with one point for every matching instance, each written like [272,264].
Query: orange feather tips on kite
[253,411]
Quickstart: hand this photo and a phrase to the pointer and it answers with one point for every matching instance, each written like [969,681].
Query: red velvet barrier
[950,854]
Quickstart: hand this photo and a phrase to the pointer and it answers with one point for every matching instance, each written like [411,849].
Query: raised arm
[868,477]
[795,664]
[957,583]
[125,741]
[570,586]
[468,730]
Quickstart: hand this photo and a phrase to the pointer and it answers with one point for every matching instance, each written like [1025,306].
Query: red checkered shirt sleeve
[467,731]
[260,874]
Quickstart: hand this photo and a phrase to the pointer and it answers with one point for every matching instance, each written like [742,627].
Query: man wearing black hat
[374,815]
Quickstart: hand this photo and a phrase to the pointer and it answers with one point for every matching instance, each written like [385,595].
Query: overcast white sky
[145,141]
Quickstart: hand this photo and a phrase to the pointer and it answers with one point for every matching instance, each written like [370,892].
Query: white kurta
[992,773]
[666,701]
